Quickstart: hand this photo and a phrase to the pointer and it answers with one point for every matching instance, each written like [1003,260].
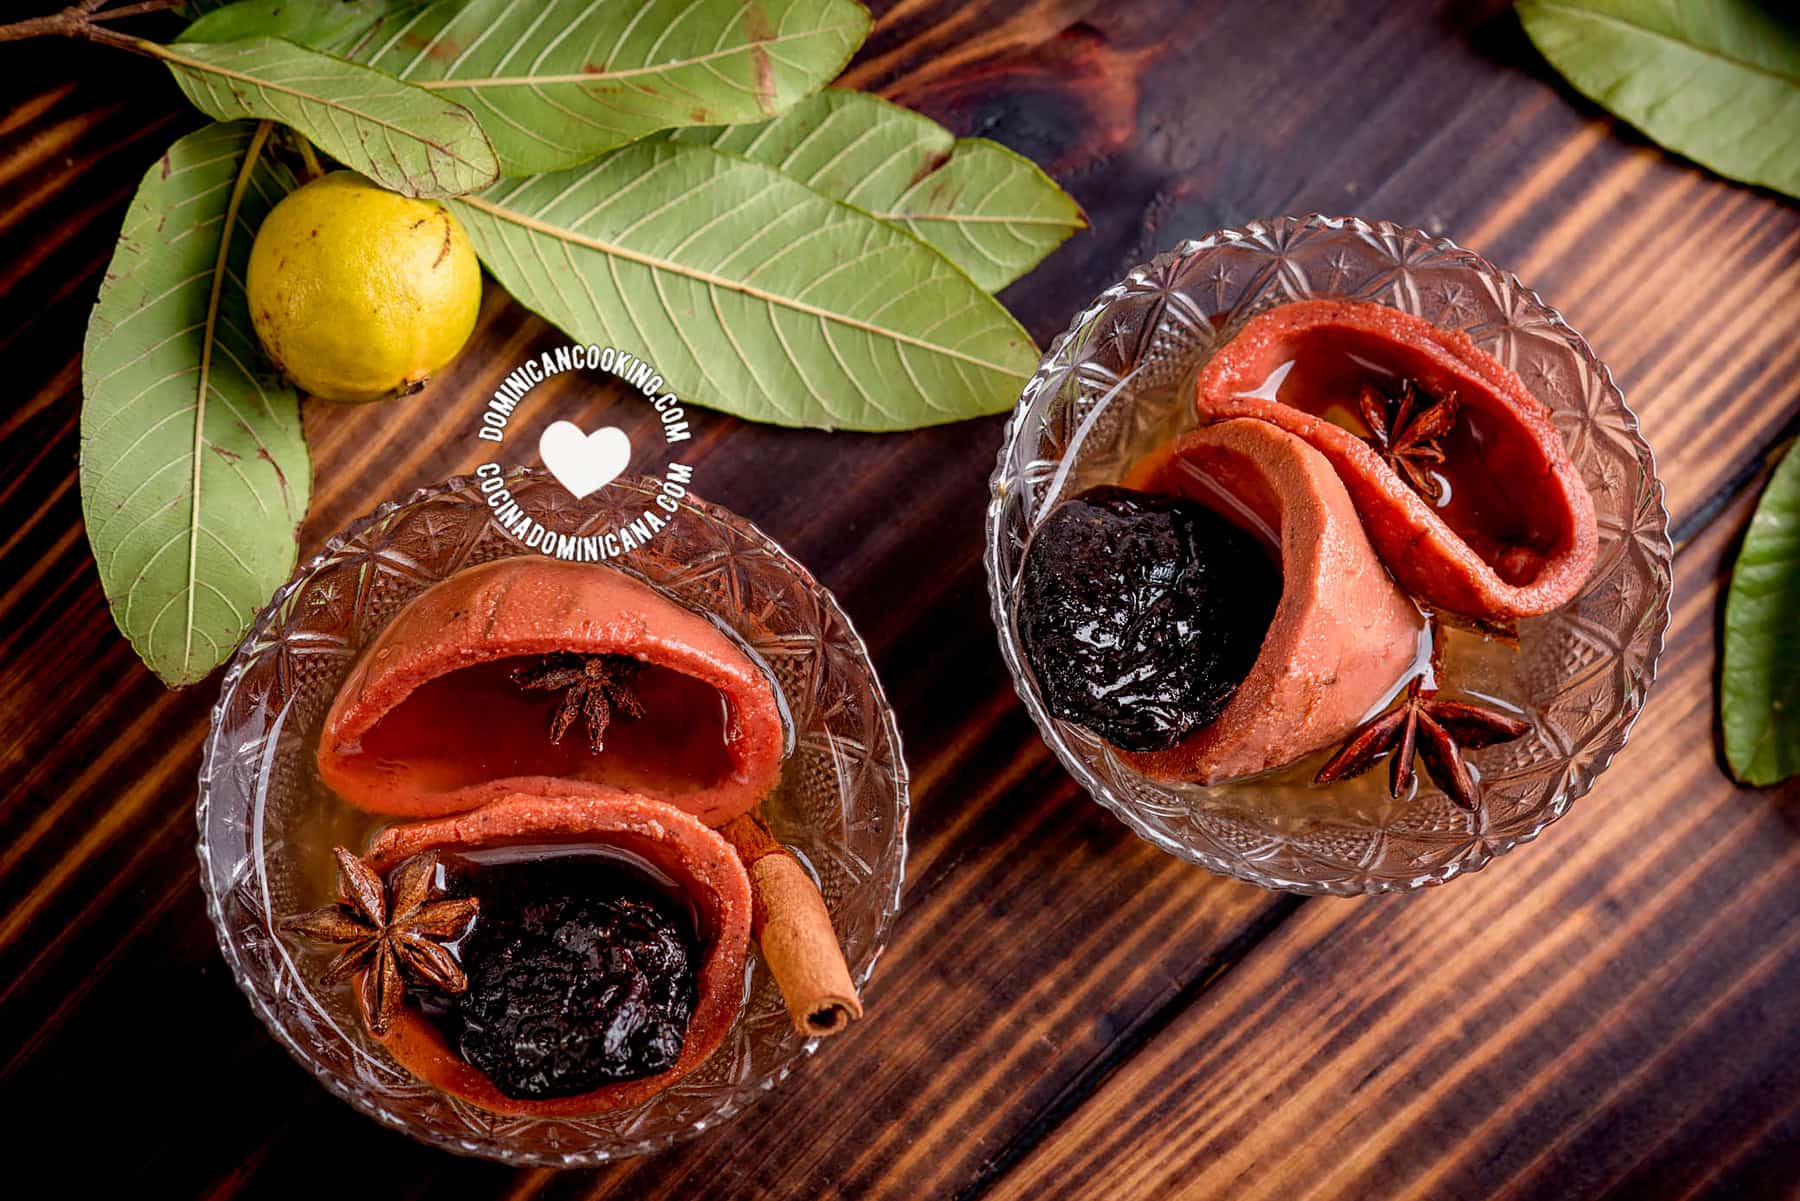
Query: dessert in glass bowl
[1312,498]
[545,861]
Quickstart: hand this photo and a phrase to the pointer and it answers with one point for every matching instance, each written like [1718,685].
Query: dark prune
[1141,614]
[567,993]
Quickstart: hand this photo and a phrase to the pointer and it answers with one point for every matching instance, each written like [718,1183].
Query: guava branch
[83,20]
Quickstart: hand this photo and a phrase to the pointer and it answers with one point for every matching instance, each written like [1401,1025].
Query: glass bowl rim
[742,1096]
[999,611]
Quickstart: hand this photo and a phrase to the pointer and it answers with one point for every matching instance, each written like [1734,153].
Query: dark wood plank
[1042,947]
[1607,1015]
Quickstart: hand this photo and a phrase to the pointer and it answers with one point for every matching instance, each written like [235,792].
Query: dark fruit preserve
[1141,614]
[581,970]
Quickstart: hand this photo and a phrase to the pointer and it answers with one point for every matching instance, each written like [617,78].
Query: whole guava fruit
[358,293]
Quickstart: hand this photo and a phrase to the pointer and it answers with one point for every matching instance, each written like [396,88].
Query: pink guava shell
[1521,449]
[1343,634]
[494,741]
[698,859]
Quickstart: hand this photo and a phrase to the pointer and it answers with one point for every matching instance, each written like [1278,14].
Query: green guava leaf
[333,25]
[991,212]
[1715,80]
[750,292]
[1759,695]
[194,472]
[402,137]
[557,82]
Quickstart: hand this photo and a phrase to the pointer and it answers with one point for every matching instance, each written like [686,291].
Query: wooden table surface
[1063,1011]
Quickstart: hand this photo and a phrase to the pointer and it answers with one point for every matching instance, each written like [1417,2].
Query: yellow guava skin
[358,293]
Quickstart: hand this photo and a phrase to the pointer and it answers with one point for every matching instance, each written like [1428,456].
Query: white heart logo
[584,463]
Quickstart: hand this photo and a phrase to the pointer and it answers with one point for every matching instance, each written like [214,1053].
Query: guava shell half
[1343,635]
[533,605]
[698,859]
[1428,557]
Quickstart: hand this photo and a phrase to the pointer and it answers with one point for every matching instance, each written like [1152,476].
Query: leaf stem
[136,10]
[308,156]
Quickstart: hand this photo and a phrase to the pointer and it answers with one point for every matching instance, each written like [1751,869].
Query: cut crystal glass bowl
[1120,380]
[841,806]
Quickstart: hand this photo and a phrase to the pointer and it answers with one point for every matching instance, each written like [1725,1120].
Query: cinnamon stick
[792,926]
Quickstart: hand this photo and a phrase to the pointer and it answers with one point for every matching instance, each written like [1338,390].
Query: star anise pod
[389,933]
[1409,432]
[597,687]
[1433,730]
